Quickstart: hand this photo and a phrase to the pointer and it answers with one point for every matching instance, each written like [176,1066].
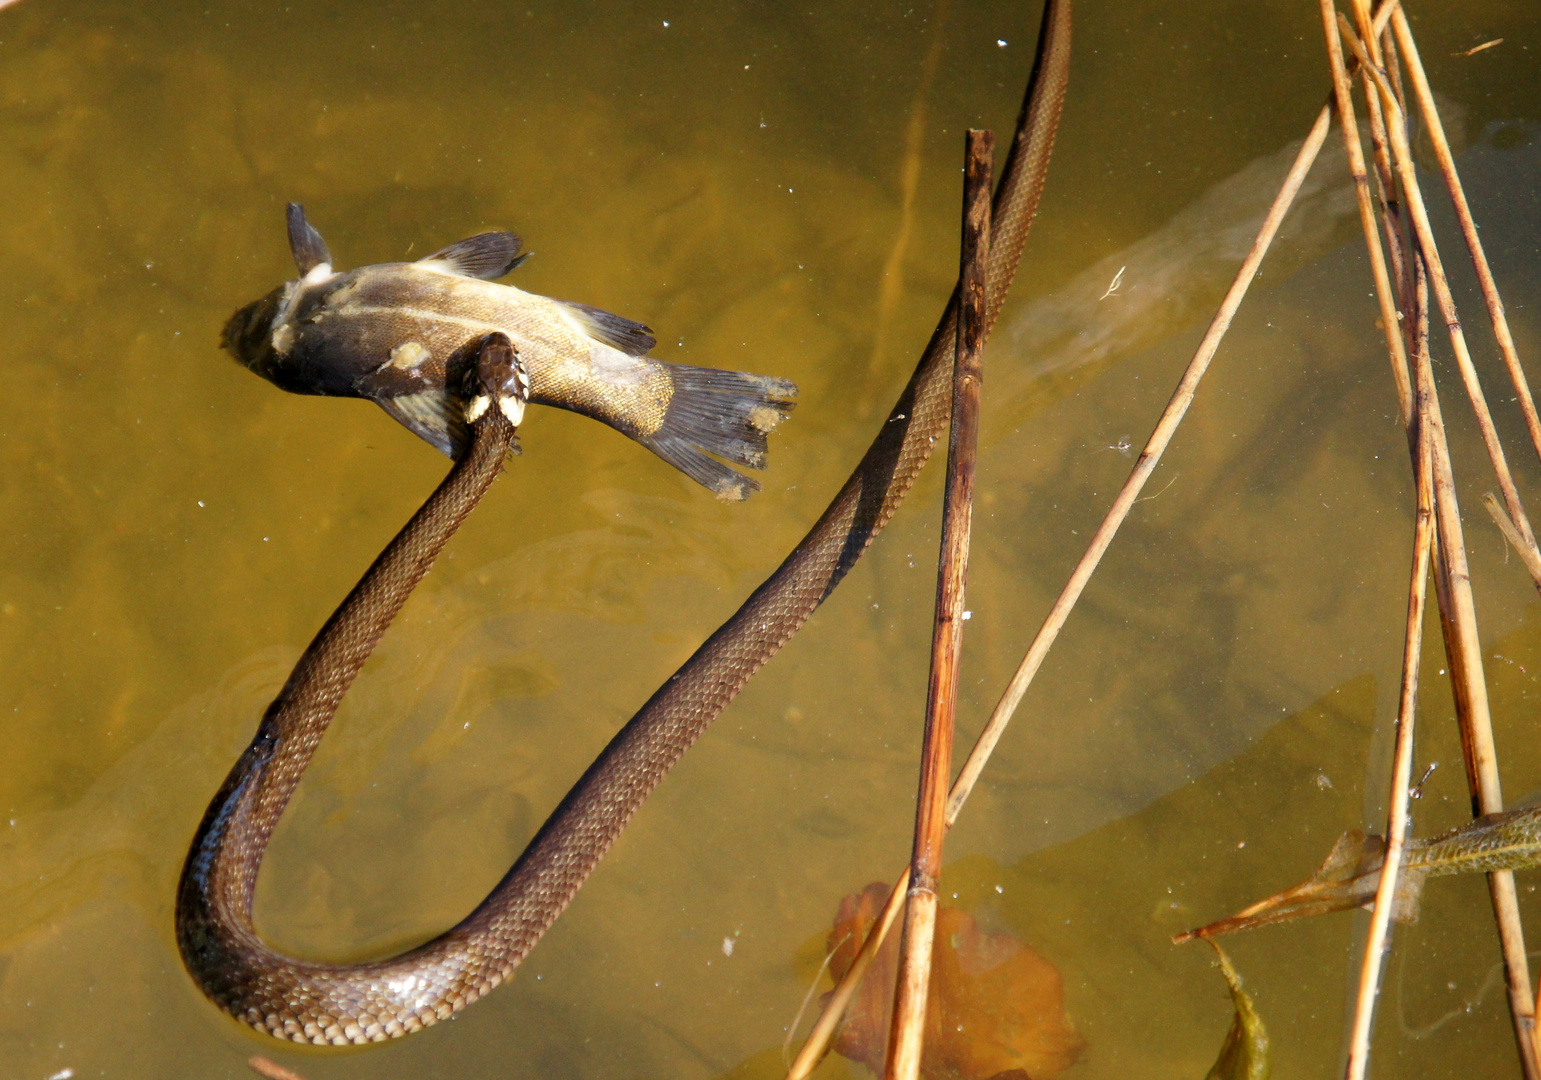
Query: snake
[341,1004]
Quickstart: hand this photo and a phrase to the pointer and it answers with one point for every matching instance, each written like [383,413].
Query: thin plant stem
[1402,759]
[823,1031]
[1495,304]
[824,1028]
[906,1037]
[1458,619]
[1159,440]
[1396,829]
[1424,230]
[1166,427]
[1458,612]
[1049,68]
[1342,91]
[1392,218]
[813,988]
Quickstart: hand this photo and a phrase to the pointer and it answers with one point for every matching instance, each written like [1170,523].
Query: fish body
[399,334]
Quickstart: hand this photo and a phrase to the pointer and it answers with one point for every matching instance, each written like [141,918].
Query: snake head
[496,375]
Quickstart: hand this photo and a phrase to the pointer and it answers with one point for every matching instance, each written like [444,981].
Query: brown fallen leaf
[995,1005]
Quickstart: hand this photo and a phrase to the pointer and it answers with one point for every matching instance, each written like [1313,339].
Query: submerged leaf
[995,1006]
[1244,1054]
[1351,873]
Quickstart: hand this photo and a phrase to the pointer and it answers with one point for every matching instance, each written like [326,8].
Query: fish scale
[373,309]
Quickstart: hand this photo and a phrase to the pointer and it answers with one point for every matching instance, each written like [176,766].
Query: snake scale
[340,1004]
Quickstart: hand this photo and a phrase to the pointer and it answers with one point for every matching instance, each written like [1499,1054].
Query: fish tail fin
[727,413]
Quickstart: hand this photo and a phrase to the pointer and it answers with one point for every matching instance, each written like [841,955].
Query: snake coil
[340,1004]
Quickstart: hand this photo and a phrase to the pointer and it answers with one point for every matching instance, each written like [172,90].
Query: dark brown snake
[341,1004]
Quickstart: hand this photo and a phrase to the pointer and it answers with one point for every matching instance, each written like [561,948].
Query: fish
[401,334]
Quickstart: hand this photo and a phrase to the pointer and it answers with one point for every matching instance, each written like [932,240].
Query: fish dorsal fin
[631,338]
[487,255]
[305,242]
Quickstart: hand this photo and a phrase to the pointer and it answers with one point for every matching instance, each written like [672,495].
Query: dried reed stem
[1396,828]
[1166,426]
[823,1031]
[907,1031]
[1392,219]
[1390,319]
[1423,229]
[1161,437]
[1053,56]
[1520,1000]
[1402,759]
[1495,304]
[1457,609]
[1469,687]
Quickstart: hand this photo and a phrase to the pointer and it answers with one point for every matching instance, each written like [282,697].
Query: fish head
[262,334]
[250,333]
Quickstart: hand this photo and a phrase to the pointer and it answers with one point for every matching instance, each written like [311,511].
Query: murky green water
[174,529]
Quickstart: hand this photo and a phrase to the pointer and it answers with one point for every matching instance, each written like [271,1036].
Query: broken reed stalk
[1495,304]
[1407,174]
[1457,611]
[1166,426]
[907,1031]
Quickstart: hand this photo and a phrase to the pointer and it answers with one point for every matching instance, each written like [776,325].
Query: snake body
[341,1004]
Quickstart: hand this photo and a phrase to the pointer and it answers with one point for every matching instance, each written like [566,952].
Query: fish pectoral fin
[432,416]
[630,337]
[305,242]
[487,255]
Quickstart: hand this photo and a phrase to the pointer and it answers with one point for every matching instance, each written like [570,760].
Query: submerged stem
[906,1036]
